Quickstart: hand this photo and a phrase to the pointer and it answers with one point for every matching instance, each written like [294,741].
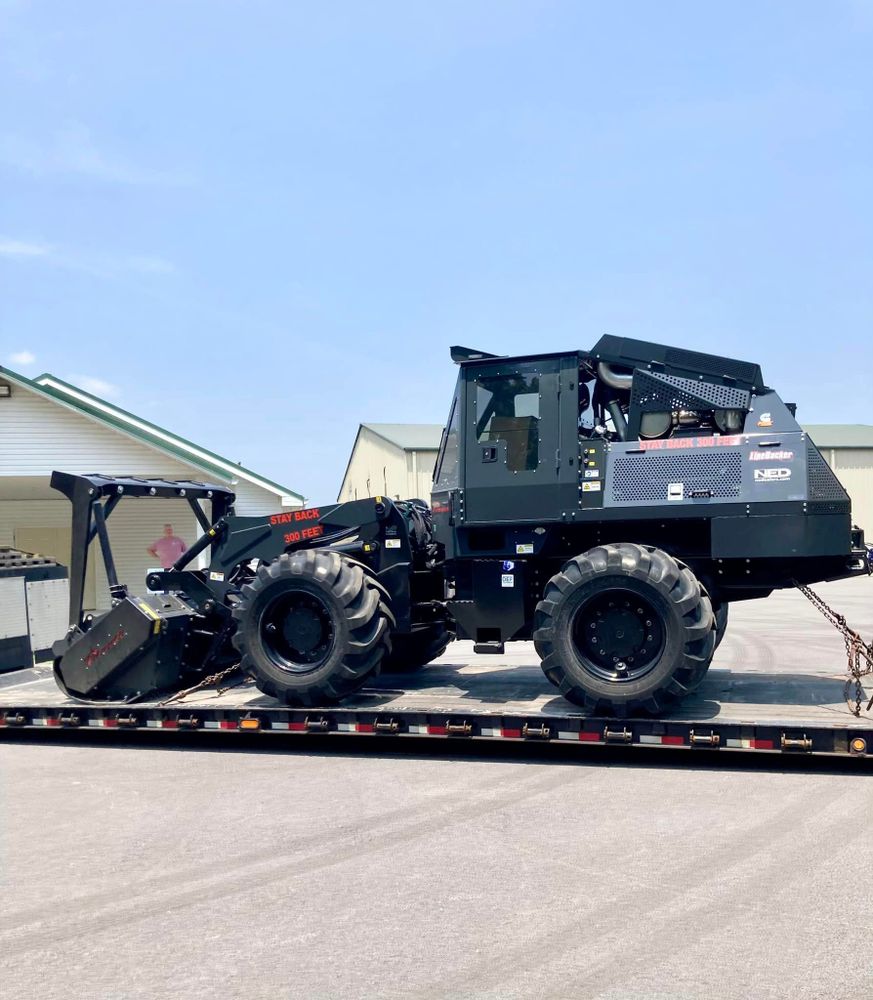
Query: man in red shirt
[167,548]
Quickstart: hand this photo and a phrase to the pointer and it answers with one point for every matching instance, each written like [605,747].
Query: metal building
[848,449]
[394,460]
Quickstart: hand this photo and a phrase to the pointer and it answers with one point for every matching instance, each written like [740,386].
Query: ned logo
[772,475]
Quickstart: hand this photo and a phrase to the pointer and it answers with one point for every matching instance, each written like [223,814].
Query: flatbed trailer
[768,691]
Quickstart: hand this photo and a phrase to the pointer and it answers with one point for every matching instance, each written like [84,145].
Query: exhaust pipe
[618,419]
[614,379]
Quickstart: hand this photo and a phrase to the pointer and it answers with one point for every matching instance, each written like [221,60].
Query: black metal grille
[709,364]
[656,393]
[646,477]
[823,484]
[829,506]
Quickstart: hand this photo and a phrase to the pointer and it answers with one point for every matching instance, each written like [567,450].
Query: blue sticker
[508,565]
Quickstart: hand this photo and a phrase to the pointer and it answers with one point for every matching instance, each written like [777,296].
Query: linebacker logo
[772,475]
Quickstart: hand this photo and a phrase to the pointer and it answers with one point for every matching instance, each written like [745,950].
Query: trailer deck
[768,691]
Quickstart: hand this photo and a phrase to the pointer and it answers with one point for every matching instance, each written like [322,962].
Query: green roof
[841,435]
[136,427]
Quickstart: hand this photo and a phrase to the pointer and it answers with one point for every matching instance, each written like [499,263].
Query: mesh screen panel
[823,484]
[708,364]
[655,393]
[645,477]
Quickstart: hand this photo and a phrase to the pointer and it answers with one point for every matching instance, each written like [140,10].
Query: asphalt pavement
[154,869]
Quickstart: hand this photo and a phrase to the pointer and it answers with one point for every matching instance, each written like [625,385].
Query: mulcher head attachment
[141,647]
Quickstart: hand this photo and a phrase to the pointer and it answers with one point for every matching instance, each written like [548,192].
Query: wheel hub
[297,631]
[618,634]
[303,629]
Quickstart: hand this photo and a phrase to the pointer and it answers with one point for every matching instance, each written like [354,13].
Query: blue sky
[260,223]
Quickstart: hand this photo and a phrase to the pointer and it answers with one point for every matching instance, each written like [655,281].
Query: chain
[206,682]
[856,651]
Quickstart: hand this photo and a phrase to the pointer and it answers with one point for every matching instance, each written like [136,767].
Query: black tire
[414,650]
[624,629]
[312,627]
[721,620]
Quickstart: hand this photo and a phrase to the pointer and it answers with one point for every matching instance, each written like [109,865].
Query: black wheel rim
[297,631]
[618,635]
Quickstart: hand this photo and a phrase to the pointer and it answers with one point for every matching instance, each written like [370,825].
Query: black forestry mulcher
[609,505]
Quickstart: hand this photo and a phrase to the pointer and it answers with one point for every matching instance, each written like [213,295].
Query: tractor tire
[721,620]
[624,629]
[414,650]
[312,627]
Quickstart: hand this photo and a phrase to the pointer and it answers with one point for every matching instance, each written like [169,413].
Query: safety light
[858,745]
[249,723]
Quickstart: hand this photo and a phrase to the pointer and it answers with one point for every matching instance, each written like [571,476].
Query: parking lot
[155,869]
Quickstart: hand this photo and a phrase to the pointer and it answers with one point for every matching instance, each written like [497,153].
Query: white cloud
[72,150]
[97,264]
[22,248]
[96,386]
[22,358]
[149,265]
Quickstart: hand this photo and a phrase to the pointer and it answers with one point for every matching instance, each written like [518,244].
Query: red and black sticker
[295,516]
[302,534]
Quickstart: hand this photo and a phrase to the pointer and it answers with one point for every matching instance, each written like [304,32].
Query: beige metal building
[394,460]
[47,424]
[848,449]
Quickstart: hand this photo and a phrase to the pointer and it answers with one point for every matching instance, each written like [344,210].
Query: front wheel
[312,626]
[624,628]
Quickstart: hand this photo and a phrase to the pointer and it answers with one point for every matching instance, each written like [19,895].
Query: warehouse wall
[376,467]
[854,467]
[379,467]
[419,473]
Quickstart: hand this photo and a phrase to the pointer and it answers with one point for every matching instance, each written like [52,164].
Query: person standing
[167,548]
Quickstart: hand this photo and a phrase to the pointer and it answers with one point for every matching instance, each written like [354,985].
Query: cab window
[508,409]
[446,474]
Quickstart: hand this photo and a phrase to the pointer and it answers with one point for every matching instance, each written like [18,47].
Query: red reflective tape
[110,723]
[437,731]
[588,737]
[52,722]
[763,745]
[365,727]
[512,734]
[297,727]
[227,724]
[673,741]
[169,724]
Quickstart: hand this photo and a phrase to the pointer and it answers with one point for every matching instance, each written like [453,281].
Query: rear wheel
[624,628]
[414,650]
[312,627]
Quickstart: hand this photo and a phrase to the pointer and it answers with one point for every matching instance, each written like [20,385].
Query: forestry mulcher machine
[607,504]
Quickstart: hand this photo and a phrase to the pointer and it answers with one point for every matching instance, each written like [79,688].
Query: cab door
[520,447]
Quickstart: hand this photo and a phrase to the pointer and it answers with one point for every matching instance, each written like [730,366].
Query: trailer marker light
[250,724]
[858,745]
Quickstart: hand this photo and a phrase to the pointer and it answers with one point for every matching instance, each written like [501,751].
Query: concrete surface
[153,871]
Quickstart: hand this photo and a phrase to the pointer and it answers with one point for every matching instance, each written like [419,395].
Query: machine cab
[510,448]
